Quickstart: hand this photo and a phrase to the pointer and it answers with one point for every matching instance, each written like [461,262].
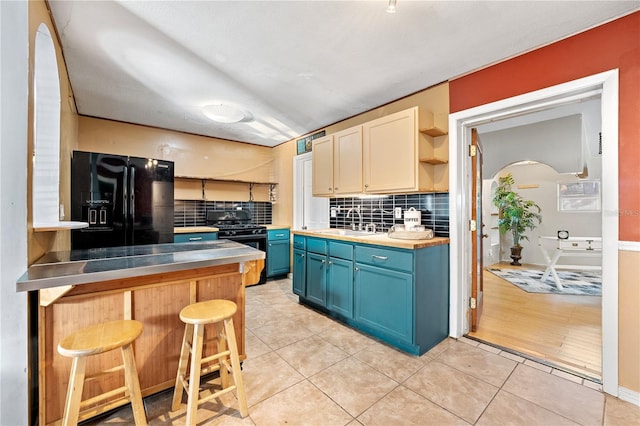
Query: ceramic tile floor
[305,369]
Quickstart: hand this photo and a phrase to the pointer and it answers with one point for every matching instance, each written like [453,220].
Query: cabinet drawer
[277,234]
[385,258]
[315,245]
[299,242]
[195,236]
[341,250]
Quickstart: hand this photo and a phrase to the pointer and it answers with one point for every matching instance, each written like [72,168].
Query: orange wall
[610,46]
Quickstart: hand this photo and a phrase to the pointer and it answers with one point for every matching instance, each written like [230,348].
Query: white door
[309,212]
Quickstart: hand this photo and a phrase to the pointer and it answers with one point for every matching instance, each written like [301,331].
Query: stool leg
[133,384]
[74,391]
[182,367]
[235,366]
[194,375]
[222,346]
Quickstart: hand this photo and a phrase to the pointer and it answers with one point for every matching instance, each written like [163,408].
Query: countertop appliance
[126,200]
[237,225]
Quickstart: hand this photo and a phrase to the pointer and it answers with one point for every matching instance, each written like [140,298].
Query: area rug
[586,283]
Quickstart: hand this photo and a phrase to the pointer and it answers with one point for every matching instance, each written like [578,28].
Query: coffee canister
[412,218]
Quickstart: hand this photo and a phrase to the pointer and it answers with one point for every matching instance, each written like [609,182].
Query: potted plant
[515,214]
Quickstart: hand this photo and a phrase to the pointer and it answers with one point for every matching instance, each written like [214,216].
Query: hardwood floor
[564,330]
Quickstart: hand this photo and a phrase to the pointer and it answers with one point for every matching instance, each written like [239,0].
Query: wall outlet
[334,213]
[397,212]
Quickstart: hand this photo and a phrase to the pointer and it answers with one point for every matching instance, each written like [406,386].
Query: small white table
[573,246]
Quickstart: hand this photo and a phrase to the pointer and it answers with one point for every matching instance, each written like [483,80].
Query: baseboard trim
[629,395]
[628,245]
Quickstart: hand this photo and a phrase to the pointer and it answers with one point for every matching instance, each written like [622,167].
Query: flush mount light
[391,8]
[223,113]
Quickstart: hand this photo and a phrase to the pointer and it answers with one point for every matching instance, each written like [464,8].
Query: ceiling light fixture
[223,113]
[392,6]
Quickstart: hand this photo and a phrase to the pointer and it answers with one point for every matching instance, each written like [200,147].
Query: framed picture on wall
[576,197]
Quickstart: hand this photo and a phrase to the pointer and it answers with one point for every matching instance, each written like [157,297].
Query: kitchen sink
[345,232]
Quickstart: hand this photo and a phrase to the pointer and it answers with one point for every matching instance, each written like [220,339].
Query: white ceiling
[292,66]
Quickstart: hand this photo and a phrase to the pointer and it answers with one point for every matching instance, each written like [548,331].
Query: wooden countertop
[194,229]
[272,227]
[380,239]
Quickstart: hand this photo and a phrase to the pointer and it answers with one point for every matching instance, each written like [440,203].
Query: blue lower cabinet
[384,303]
[195,237]
[316,278]
[299,272]
[397,295]
[340,286]
[277,257]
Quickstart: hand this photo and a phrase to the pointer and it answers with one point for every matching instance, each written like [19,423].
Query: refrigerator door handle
[132,185]
[125,196]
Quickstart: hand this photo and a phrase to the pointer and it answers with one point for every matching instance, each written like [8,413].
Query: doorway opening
[604,85]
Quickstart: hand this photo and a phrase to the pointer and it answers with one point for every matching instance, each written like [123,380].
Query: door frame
[460,124]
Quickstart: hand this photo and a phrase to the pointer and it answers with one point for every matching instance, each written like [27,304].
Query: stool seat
[219,313]
[100,338]
[208,312]
[94,340]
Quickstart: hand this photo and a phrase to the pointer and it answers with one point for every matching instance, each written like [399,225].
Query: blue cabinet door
[340,286]
[384,302]
[277,257]
[317,278]
[299,272]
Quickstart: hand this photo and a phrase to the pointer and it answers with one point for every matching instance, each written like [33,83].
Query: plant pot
[515,255]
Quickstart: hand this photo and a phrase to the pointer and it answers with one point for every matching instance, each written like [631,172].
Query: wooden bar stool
[94,340]
[196,316]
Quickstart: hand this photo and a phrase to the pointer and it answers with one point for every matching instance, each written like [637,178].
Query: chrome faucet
[357,210]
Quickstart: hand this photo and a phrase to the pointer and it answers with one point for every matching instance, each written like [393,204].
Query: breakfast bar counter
[151,284]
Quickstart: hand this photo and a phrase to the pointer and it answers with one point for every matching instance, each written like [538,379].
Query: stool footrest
[88,413]
[105,396]
[216,394]
[94,376]
[215,356]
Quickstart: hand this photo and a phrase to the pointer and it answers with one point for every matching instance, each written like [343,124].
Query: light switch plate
[397,212]
[333,212]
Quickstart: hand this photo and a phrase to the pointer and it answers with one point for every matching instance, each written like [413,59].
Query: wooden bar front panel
[156,301]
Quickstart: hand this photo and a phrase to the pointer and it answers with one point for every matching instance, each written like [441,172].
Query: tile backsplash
[194,212]
[380,211]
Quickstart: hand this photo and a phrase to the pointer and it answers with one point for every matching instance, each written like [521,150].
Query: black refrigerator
[126,200]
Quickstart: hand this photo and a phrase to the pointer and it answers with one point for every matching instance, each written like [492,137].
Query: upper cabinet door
[391,153]
[347,161]
[322,166]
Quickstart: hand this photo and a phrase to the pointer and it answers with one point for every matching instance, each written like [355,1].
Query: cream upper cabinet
[347,161]
[322,166]
[337,163]
[398,153]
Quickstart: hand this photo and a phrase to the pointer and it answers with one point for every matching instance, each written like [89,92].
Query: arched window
[46,121]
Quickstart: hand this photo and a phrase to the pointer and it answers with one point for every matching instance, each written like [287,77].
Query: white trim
[628,245]
[298,190]
[629,396]
[460,124]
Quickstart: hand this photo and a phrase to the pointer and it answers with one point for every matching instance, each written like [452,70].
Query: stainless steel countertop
[87,266]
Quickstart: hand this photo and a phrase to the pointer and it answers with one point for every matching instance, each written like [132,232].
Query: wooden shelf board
[433,131]
[433,161]
[223,180]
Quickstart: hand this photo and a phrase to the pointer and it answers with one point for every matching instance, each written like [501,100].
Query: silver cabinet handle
[373,256]
[324,261]
[279,235]
[330,263]
[270,244]
[356,269]
[195,238]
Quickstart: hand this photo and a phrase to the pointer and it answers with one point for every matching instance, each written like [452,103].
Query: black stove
[234,223]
